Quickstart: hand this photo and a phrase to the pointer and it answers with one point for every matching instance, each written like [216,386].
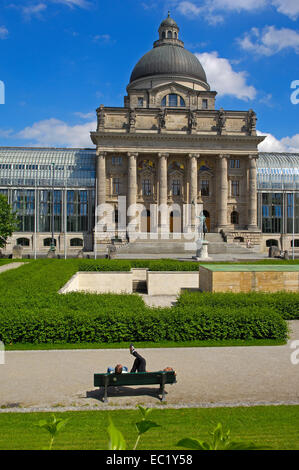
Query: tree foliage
[8,221]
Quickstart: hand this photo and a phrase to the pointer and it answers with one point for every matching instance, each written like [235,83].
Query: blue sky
[60,59]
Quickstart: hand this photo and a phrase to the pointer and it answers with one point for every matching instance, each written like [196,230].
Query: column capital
[160,155]
[101,153]
[193,155]
[223,156]
[132,154]
[252,157]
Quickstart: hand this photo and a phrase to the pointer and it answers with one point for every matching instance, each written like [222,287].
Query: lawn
[274,426]
[32,311]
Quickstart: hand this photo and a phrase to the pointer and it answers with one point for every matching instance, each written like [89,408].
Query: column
[222,191]
[132,184]
[193,191]
[163,191]
[252,194]
[101,177]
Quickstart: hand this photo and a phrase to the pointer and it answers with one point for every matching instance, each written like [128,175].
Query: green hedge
[176,324]
[285,304]
[126,265]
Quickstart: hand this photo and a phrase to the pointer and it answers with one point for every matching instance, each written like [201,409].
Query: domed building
[165,157]
[175,149]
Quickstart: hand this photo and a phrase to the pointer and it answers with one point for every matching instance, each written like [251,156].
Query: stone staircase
[180,246]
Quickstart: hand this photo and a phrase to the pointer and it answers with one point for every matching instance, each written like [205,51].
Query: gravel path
[7,267]
[206,377]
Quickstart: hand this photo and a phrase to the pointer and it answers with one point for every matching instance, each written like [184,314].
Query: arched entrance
[148,221]
[208,220]
[171,222]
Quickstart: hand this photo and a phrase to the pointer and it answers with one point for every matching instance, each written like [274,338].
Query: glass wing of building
[278,192]
[39,181]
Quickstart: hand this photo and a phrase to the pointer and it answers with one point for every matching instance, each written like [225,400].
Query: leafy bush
[285,304]
[126,265]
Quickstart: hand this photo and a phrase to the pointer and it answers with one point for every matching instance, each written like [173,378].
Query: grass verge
[274,426]
[142,345]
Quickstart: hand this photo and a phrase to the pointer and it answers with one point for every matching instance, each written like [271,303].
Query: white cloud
[207,8]
[33,10]
[287,7]
[247,5]
[3,32]
[74,3]
[270,40]
[272,144]
[54,132]
[89,115]
[188,8]
[224,79]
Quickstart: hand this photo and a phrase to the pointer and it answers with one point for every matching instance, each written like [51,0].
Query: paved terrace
[206,377]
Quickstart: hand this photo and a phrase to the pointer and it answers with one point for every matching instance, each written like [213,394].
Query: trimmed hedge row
[176,324]
[286,304]
[126,265]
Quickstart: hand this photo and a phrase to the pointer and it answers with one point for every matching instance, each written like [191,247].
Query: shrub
[285,304]
[113,325]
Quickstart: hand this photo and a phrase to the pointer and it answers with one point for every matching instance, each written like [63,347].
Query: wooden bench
[139,378]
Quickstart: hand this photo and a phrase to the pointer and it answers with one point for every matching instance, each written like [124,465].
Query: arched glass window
[23,241]
[173,101]
[175,35]
[163,35]
[76,242]
[48,241]
[272,242]
[169,35]
[234,218]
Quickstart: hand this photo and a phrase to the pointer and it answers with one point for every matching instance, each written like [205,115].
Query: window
[48,241]
[76,242]
[173,101]
[204,104]
[176,188]
[140,102]
[117,160]
[235,188]
[169,35]
[116,185]
[23,203]
[296,243]
[204,186]
[45,210]
[234,163]
[23,242]
[77,211]
[146,187]
[234,218]
[271,243]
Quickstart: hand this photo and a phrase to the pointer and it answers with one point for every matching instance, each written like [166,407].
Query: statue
[162,119]
[201,243]
[192,120]
[221,119]
[132,118]
[101,117]
[251,122]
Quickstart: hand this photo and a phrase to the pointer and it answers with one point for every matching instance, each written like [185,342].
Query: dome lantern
[168,30]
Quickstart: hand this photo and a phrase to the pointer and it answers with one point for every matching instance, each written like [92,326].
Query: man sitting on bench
[139,363]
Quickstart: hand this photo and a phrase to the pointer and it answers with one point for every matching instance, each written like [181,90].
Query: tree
[8,221]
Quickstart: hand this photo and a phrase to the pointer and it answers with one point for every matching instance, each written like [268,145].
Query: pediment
[177,87]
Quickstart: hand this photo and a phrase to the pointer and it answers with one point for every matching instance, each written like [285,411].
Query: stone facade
[155,153]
